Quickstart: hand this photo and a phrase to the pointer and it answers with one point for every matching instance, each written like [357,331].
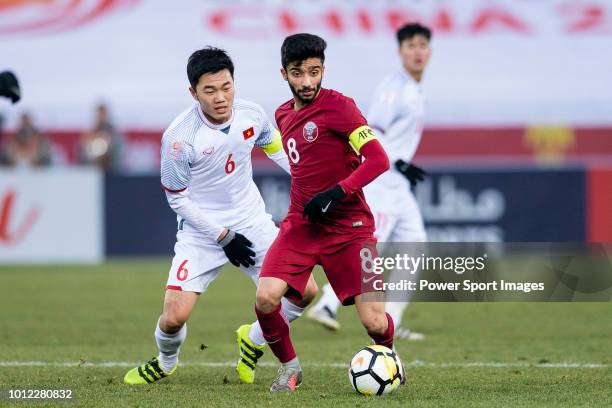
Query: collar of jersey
[212,125]
[409,77]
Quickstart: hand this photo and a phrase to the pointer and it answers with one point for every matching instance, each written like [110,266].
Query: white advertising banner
[504,62]
[51,216]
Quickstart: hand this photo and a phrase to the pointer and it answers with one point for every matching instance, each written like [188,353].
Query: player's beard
[305,101]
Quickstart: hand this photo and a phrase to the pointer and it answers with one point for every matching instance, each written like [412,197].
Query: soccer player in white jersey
[207,174]
[397,114]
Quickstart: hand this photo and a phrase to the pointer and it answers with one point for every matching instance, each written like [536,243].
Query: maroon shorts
[301,245]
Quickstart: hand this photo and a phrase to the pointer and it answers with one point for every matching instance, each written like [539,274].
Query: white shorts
[197,261]
[398,220]
[396,214]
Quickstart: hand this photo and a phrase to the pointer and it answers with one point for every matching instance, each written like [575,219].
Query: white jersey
[397,114]
[212,163]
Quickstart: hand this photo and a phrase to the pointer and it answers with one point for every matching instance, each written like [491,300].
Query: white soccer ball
[375,370]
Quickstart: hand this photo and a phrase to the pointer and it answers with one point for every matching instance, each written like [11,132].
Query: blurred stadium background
[518,136]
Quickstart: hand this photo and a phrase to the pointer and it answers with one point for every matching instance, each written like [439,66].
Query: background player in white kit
[397,113]
[207,174]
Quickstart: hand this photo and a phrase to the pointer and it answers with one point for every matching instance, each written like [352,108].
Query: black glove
[237,248]
[9,86]
[322,203]
[413,173]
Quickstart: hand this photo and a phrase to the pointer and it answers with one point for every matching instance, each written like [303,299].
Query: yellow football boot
[147,373]
[249,354]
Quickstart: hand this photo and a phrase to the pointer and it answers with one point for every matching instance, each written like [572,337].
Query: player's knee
[171,322]
[267,301]
[375,323]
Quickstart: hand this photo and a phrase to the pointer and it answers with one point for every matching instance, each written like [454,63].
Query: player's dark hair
[208,60]
[408,31]
[299,47]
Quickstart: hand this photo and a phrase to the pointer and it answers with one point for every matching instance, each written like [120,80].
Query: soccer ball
[375,370]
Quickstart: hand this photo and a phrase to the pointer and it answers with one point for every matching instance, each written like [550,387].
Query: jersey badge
[175,149]
[248,133]
[310,132]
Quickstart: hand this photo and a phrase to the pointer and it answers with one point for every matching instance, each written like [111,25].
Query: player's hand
[322,203]
[237,248]
[9,86]
[413,173]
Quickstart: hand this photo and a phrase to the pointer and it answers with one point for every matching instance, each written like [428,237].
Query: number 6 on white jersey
[293,153]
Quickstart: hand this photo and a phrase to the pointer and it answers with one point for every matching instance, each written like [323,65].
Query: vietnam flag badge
[250,132]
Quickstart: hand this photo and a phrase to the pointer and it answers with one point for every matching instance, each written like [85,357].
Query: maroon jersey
[316,140]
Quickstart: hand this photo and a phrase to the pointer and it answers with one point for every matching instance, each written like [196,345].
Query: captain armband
[275,145]
[360,136]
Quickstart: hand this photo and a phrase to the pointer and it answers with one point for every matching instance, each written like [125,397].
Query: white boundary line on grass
[227,364]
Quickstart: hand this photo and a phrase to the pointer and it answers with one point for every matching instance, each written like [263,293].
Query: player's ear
[193,93]
[284,74]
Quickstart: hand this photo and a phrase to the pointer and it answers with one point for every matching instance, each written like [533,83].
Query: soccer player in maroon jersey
[329,222]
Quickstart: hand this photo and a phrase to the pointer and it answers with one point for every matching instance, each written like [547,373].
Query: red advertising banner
[599,204]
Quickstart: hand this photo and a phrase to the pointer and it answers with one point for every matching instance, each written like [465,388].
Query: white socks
[256,335]
[294,363]
[290,310]
[169,346]
[329,300]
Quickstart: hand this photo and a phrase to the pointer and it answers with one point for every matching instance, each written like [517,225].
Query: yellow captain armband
[360,136]
[275,145]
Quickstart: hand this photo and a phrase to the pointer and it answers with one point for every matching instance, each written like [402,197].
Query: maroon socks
[275,328]
[385,339]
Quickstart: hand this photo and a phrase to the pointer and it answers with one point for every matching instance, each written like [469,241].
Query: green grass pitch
[82,327]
